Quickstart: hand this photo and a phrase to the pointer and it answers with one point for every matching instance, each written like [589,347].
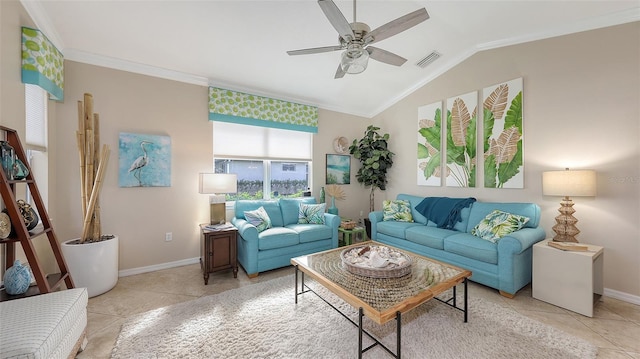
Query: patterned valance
[238,107]
[42,63]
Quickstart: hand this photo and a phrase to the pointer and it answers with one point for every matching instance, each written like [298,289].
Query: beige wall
[581,110]
[134,103]
[332,125]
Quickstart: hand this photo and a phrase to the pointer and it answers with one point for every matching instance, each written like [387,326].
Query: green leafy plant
[503,156]
[461,144]
[373,153]
[429,151]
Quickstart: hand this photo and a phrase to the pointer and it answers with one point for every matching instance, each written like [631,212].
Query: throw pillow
[311,213]
[259,218]
[498,224]
[398,210]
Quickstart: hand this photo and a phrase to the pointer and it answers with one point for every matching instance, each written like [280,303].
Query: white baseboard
[625,297]
[155,267]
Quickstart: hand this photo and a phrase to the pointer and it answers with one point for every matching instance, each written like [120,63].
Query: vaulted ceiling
[242,45]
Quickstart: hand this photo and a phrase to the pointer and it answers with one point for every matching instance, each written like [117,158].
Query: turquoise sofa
[274,247]
[505,265]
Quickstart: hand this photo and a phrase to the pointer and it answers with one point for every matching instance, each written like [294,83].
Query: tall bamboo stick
[81,144]
[93,164]
[95,192]
[96,146]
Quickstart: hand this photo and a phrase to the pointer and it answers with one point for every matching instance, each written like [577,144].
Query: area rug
[262,321]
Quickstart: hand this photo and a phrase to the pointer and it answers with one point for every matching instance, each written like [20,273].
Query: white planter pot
[93,265]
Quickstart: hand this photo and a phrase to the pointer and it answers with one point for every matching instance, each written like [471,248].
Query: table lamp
[568,183]
[217,184]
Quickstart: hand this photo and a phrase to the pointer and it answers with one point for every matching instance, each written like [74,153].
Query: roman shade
[42,63]
[247,109]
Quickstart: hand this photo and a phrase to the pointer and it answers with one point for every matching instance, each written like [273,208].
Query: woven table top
[427,279]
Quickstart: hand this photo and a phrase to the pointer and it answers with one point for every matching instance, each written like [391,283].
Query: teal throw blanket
[444,211]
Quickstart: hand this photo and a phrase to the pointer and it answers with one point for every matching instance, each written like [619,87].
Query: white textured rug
[262,321]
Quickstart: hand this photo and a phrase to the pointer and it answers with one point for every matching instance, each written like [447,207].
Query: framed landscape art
[338,169]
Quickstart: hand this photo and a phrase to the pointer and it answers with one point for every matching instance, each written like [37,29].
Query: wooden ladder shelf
[45,283]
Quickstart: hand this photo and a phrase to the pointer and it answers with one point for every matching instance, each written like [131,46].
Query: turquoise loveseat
[274,247]
[505,265]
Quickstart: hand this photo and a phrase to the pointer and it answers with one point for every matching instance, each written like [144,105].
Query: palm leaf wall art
[429,145]
[503,135]
[461,140]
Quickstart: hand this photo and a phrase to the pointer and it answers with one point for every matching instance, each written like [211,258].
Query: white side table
[571,280]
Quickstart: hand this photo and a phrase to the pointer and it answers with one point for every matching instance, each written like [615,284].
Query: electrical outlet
[361,213]
[168,236]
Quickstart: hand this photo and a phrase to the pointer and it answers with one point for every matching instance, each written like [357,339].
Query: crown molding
[617,18]
[43,23]
[129,66]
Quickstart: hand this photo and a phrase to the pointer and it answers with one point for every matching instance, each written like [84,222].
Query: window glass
[270,163]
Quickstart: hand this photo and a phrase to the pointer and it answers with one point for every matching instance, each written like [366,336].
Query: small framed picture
[338,169]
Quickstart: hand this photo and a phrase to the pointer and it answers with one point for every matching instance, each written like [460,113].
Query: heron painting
[144,160]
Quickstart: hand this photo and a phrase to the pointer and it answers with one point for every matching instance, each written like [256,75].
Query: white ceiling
[241,45]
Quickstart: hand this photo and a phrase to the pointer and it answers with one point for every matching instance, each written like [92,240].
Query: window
[35,99]
[36,137]
[270,163]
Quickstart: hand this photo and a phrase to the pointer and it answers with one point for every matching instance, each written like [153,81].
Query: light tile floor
[615,327]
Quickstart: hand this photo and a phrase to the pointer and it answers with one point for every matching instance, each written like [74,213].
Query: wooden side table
[571,280]
[218,251]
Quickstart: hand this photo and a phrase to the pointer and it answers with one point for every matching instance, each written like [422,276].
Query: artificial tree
[375,158]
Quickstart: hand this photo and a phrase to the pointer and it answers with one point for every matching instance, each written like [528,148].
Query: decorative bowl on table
[376,261]
[348,224]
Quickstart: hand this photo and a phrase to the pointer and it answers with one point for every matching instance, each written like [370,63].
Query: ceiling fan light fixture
[354,60]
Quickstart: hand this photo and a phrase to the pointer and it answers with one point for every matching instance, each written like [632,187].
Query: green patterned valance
[238,107]
[42,63]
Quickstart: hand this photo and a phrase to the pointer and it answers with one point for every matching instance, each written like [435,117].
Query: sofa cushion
[396,229]
[311,213]
[398,210]
[472,247]
[414,201]
[429,236]
[272,208]
[277,237]
[479,210]
[258,218]
[290,208]
[311,232]
[498,224]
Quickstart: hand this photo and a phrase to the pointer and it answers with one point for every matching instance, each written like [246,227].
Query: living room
[581,110]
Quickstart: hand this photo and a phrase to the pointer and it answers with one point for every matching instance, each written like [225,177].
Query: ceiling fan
[356,37]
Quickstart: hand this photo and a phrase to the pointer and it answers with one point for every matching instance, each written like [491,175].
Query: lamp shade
[218,183]
[354,60]
[569,183]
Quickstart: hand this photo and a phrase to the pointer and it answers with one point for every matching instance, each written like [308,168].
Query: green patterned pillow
[398,210]
[259,218]
[311,213]
[498,224]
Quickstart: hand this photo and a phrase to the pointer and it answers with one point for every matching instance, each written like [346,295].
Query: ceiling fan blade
[385,56]
[336,19]
[396,26]
[339,73]
[314,50]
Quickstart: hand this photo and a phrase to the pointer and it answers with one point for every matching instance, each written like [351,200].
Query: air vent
[428,59]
